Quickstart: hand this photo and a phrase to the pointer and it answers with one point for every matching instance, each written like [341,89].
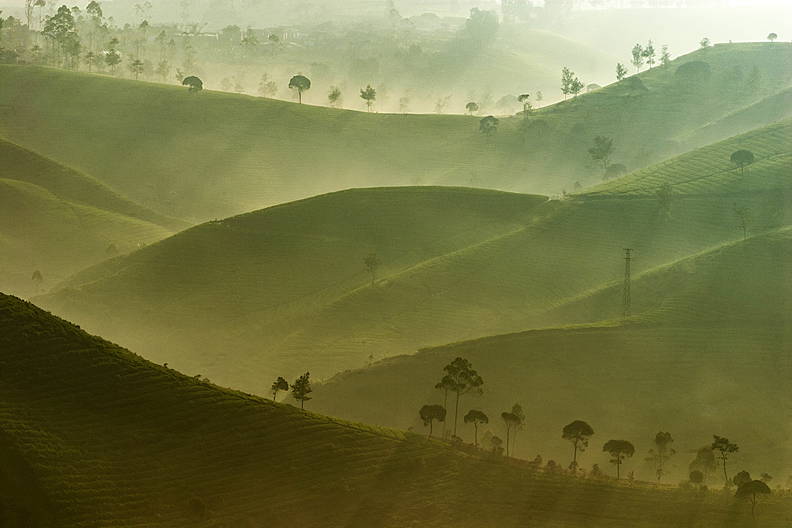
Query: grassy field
[211,155]
[289,288]
[92,435]
[57,221]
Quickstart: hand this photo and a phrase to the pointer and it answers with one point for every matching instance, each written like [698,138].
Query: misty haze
[393,263]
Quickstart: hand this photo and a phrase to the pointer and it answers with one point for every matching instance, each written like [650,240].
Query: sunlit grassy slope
[285,289]
[207,155]
[705,352]
[93,435]
[57,221]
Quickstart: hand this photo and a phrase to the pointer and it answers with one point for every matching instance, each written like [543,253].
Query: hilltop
[140,444]
[286,289]
[212,155]
[57,221]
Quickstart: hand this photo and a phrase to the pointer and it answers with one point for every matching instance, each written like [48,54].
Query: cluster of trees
[300,388]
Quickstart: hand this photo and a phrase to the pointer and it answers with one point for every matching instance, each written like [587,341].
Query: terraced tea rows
[107,439]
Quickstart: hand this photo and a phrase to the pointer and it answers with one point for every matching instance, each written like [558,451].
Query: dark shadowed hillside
[93,435]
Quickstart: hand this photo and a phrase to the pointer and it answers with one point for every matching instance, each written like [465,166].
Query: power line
[627,294]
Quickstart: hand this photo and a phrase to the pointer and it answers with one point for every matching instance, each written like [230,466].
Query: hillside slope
[56,221]
[705,352]
[107,439]
[211,155]
[468,275]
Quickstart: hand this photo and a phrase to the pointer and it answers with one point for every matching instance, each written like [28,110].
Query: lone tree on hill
[742,158]
[446,384]
[372,263]
[301,83]
[621,71]
[650,54]
[430,413]
[334,96]
[462,379]
[665,56]
[772,37]
[705,43]
[638,57]
[476,418]
[278,385]
[725,448]
[511,420]
[136,67]
[194,83]
[751,490]
[661,452]
[301,388]
[618,450]
[525,99]
[472,108]
[579,433]
[602,150]
[369,95]
[488,125]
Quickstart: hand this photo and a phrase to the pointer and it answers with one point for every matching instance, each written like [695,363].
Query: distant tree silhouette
[705,43]
[136,67]
[369,95]
[650,54]
[430,413]
[334,96]
[488,125]
[638,57]
[372,263]
[301,83]
[517,411]
[742,158]
[525,99]
[743,477]
[511,421]
[602,151]
[772,37]
[750,490]
[476,418]
[614,170]
[621,71]
[446,384]
[278,385]
[665,56]
[725,448]
[37,277]
[661,452]
[194,83]
[462,379]
[497,444]
[765,477]
[301,388]
[704,461]
[578,433]
[618,450]
[472,108]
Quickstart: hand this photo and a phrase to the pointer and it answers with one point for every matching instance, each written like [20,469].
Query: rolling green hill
[92,435]
[57,221]
[285,289]
[210,155]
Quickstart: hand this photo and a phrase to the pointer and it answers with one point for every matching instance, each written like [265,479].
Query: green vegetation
[93,433]
[131,446]
[220,154]
[55,221]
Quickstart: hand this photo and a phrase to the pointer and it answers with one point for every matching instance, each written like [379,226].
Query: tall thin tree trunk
[445,406]
[475,434]
[456,413]
[725,475]
[574,453]
[508,430]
